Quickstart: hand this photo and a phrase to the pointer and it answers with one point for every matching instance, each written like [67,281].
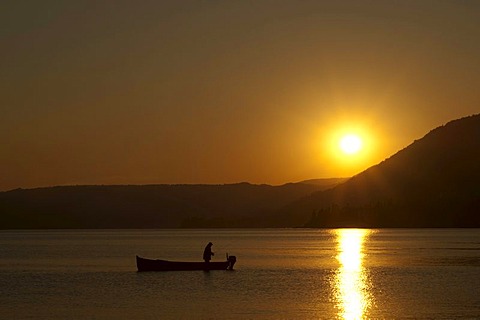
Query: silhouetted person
[207,253]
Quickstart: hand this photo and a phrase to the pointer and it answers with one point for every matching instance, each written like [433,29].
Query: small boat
[165,265]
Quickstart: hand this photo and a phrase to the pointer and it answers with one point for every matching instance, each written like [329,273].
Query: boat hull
[165,265]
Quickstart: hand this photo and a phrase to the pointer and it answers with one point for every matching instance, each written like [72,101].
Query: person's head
[210,244]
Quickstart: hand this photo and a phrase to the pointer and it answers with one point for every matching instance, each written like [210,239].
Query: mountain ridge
[433,182]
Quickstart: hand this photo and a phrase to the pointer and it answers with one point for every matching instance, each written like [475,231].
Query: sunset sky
[137,92]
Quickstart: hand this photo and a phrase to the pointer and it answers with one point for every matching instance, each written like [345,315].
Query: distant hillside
[149,206]
[434,182]
[325,183]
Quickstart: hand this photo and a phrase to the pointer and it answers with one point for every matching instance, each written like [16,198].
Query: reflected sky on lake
[351,287]
[280,274]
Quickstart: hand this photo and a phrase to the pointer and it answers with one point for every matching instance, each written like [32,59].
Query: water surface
[280,274]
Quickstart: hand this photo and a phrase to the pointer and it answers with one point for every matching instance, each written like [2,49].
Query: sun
[350,144]
[349,147]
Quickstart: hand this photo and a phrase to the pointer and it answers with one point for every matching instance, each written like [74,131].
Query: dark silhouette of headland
[150,206]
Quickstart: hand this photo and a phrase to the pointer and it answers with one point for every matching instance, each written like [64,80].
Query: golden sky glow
[225,91]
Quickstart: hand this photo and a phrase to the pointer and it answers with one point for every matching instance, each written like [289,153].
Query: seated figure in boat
[207,253]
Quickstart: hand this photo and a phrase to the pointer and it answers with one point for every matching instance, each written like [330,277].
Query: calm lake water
[280,274]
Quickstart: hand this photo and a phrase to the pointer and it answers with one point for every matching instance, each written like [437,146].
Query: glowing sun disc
[351,144]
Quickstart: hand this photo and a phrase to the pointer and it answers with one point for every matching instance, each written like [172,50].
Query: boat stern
[231,262]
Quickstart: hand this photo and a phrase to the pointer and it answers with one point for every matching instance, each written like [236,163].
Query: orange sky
[128,92]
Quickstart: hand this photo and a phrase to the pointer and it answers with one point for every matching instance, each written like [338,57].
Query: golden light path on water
[351,284]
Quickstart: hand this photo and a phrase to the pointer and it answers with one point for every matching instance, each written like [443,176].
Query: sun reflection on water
[351,286]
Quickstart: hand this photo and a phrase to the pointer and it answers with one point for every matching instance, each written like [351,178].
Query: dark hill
[325,183]
[150,206]
[434,182]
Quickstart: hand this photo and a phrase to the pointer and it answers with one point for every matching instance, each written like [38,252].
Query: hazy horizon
[171,184]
